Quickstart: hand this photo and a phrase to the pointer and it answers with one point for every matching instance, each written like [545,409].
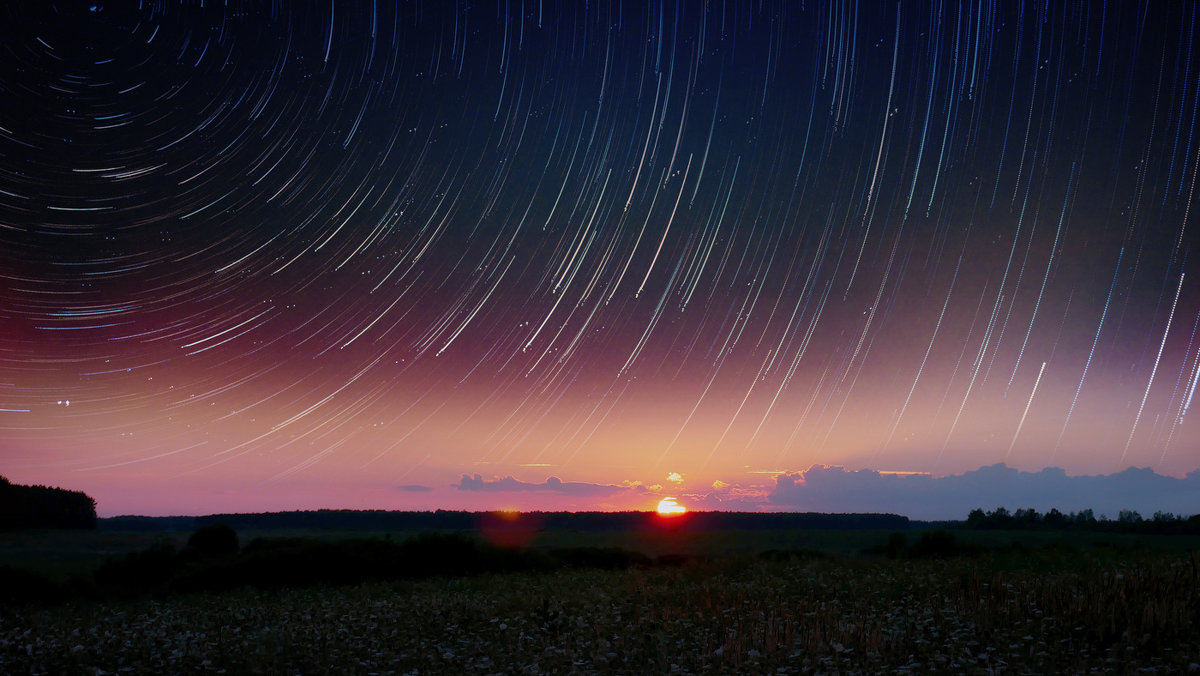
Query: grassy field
[63,553]
[1046,611]
[743,602]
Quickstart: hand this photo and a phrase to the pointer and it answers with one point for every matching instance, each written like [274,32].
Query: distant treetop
[44,507]
[1127,521]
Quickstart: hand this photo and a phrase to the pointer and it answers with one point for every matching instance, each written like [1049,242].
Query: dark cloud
[551,485]
[414,488]
[921,496]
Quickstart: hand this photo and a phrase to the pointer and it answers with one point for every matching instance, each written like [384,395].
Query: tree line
[452,520]
[44,507]
[1127,521]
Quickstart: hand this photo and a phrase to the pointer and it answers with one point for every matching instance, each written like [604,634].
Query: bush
[893,548]
[216,540]
[936,544]
[139,571]
[18,585]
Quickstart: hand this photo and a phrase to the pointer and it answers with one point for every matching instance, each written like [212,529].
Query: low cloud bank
[414,488]
[920,496]
[550,485]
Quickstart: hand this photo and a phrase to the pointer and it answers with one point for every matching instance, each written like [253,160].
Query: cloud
[551,485]
[922,496]
[414,488]
[727,497]
[675,477]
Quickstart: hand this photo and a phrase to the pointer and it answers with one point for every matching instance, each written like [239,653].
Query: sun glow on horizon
[669,507]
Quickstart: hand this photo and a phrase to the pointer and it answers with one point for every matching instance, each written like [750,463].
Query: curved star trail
[274,247]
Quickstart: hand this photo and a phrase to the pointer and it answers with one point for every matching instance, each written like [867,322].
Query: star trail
[287,255]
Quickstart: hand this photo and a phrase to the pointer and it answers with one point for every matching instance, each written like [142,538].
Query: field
[61,553]
[1071,606]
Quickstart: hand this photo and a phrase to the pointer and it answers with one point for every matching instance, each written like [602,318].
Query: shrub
[19,585]
[936,544]
[138,571]
[893,548]
[216,540]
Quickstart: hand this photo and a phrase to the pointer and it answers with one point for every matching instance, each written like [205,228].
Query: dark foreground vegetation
[928,609]
[44,507]
[940,600]
[213,561]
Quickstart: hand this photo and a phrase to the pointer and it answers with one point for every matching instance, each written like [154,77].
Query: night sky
[352,254]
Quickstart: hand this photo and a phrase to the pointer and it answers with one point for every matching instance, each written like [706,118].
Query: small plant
[216,540]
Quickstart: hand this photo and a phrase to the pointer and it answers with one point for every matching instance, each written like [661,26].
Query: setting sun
[668,507]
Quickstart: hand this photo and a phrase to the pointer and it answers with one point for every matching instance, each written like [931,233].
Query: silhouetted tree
[1127,521]
[44,507]
[1026,518]
[1165,517]
[1054,518]
[1129,516]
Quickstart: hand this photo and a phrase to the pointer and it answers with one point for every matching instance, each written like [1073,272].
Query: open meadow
[1061,603]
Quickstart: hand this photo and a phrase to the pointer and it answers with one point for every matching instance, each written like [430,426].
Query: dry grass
[1122,614]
